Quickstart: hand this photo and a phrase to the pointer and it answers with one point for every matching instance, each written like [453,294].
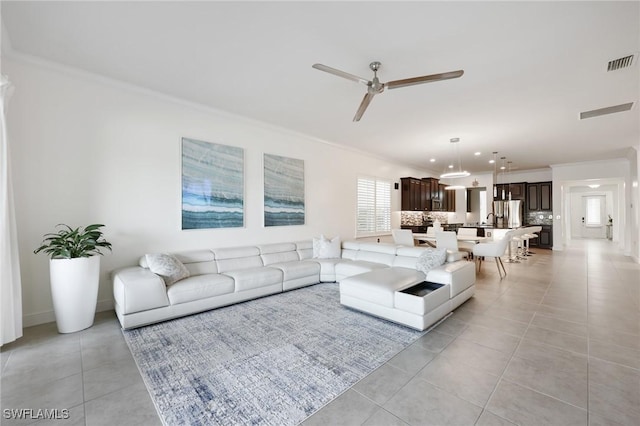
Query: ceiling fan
[374,86]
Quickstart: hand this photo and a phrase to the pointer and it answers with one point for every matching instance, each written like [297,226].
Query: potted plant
[74,270]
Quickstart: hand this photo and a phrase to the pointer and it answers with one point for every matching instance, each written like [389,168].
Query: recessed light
[492,161]
[594,186]
[477,153]
[433,160]
[502,167]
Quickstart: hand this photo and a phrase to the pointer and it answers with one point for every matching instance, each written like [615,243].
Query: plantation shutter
[374,206]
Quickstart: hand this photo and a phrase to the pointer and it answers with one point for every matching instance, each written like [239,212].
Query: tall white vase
[74,289]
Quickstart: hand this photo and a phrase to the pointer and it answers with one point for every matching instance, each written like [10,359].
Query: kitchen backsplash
[408,218]
[540,218]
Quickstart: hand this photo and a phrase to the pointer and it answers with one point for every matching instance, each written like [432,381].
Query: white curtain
[10,287]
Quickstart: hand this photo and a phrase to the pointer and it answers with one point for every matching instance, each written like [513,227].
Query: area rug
[270,361]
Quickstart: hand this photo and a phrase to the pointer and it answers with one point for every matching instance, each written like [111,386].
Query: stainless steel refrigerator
[508,213]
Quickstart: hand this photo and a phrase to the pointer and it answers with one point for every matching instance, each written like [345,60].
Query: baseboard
[49,316]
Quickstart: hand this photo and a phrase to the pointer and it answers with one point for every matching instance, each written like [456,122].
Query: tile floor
[556,342]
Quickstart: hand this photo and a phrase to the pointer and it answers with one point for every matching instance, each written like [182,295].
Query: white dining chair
[449,241]
[467,246]
[495,249]
[403,237]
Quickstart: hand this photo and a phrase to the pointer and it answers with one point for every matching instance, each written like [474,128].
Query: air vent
[620,63]
[605,111]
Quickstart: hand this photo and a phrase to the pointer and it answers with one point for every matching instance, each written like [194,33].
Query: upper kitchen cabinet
[539,196]
[502,191]
[412,194]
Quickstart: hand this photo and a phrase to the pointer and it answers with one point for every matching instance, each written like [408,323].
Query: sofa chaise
[373,277]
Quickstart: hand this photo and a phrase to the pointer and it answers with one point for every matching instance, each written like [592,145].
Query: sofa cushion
[328,268]
[304,249]
[406,257]
[167,266]
[380,285]
[200,287]
[298,269]
[248,279]
[287,256]
[237,258]
[347,269]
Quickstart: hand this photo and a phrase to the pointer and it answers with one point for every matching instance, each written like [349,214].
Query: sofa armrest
[459,275]
[138,289]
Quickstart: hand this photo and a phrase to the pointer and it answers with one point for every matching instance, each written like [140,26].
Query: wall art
[212,185]
[283,191]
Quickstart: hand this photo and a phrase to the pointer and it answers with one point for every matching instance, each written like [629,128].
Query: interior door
[593,217]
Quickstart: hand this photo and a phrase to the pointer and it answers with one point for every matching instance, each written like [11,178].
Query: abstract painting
[212,185]
[283,191]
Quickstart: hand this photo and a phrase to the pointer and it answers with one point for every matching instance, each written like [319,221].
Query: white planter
[74,289]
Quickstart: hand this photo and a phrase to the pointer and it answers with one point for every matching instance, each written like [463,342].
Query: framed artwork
[283,191]
[212,185]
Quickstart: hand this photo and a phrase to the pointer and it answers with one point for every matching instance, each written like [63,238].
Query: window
[594,208]
[374,206]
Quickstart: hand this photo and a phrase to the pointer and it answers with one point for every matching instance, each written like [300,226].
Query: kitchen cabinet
[539,197]
[450,200]
[502,191]
[412,194]
[426,194]
[545,238]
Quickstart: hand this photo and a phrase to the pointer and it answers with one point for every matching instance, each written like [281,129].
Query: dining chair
[495,249]
[449,241]
[467,246]
[403,237]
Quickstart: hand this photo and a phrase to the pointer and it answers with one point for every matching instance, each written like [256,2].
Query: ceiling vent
[620,63]
[605,111]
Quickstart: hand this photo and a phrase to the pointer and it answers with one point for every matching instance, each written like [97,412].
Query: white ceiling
[530,69]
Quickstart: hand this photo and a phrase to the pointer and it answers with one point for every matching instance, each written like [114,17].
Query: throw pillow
[168,267]
[431,258]
[316,245]
[323,248]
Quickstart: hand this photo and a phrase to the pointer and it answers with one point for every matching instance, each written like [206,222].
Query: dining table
[430,239]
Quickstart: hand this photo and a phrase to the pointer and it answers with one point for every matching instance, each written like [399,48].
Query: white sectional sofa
[371,276]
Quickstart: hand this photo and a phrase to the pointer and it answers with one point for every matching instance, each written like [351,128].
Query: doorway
[593,214]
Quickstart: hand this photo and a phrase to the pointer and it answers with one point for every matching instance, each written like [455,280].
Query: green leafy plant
[69,243]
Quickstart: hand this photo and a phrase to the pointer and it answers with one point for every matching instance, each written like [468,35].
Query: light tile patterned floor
[556,342]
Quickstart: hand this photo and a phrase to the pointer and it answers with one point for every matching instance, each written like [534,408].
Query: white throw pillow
[168,267]
[323,248]
[431,258]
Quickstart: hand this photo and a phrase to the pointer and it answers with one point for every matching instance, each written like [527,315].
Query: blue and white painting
[283,191]
[212,185]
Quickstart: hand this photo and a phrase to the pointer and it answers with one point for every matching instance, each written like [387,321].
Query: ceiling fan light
[453,175]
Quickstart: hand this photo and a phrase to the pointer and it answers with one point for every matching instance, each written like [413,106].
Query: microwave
[436,205]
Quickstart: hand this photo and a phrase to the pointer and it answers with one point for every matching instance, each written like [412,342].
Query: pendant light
[495,174]
[451,174]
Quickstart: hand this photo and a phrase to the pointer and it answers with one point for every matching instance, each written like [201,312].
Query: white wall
[576,195]
[616,172]
[89,150]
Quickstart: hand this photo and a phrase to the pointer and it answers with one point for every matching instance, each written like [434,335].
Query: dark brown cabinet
[502,190]
[412,194]
[426,194]
[539,196]
[545,238]
[450,201]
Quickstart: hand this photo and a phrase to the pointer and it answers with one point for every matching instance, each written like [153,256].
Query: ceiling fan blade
[424,79]
[363,106]
[340,73]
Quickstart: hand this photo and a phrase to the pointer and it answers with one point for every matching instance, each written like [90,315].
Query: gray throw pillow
[431,258]
[168,267]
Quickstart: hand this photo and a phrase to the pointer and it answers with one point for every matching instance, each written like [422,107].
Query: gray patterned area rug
[270,361]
